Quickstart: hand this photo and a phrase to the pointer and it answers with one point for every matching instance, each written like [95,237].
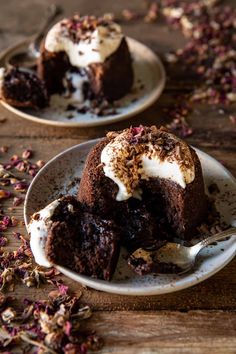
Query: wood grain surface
[200,319]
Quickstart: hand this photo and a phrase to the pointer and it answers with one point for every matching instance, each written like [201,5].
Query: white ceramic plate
[57,176]
[149,83]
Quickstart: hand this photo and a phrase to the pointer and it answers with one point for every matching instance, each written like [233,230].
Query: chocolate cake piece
[95,45]
[173,210]
[80,241]
[22,88]
[145,262]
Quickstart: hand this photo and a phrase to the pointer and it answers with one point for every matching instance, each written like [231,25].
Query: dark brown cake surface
[21,88]
[114,78]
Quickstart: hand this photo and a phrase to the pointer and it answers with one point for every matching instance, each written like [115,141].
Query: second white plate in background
[149,83]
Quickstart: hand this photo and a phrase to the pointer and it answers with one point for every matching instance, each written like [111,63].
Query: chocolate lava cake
[22,88]
[140,188]
[149,181]
[81,241]
[86,53]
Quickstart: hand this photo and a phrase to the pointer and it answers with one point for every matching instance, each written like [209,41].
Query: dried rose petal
[8,315]
[3,299]
[14,221]
[67,328]
[17,201]
[40,163]
[4,194]
[4,149]
[27,154]
[14,158]
[32,172]
[20,166]
[137,130]
[21,186]
[129,14]
[152,13]
[63,289]
[8,166]
[3,227]
[232,118]
[6,220]
[3,241]
[17,235]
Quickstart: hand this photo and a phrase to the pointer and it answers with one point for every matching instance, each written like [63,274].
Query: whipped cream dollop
[38,229]
[142,153]
[86,40]
[2,75]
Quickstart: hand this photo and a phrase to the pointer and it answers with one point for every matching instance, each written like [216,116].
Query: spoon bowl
[28,58]
[177,258]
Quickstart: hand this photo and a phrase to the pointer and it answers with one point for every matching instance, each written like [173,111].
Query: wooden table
[201,319]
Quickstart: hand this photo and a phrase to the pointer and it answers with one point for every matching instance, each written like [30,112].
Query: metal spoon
[181,258]
[27,59]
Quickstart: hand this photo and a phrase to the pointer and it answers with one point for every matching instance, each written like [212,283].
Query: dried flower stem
[26,339]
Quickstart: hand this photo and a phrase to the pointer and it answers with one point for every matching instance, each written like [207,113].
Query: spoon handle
[52,12]
[217,237]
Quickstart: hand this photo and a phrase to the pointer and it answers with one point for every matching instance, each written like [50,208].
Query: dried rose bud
[29,281]
[27,154]
[40,163]
[61,321]
[67,328]
[54,294]
[8,315]
[32,172]
[20,166]
[4,149]
[17,201]
[14,158]
[63,289]
[2,299]
[21,186]
[13,180]
[54,340]
[4,182]
[152,13]
[3,227]
[109,17]
[72,349]
[17,235]
[3,241]
[4,194]
[232,118]
[129,14]
[8,166]
[14,221]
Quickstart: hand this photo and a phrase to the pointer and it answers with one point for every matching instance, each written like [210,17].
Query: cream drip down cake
[88,54]
[140,188]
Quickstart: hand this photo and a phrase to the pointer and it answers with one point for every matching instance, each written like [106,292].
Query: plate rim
[152,97]
[102,285]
